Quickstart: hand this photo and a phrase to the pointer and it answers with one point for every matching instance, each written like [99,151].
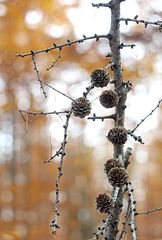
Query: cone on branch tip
[81,107]
[104,202]
[99,78]
[111,163]
[109,99]
[118,177]
[117,135]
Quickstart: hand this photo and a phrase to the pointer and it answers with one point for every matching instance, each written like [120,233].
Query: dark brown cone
[111,163]
[118,177]
[104,202]
[99,78]
[109,98]
[81,107]
[117,135]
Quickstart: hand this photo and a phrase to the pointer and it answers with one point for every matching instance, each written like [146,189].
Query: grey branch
[127,215]
[55,222]
[97,5]
[60,46]
[102,118]
[149,211]
[37,72]
[142,120]
[136,138]
[65,95]
[132,212]
[43,113]
[146,23]
[88,89]
[57,59]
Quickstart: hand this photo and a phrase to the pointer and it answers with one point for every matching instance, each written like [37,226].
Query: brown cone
[118,177]
[109,98]
[99,78]
[81,107]
[104,202]
[111,163]
[117,135]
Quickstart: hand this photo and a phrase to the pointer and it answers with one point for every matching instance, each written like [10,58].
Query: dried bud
[117,135]
[111,163]
[81,107]
[118,177]
[104,202]
[109,98]
[99,78]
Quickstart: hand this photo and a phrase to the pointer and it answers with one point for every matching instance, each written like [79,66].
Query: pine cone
[111,163]
[118,177]
[109,98]
[104,202]
[99,78]
[117,135]
[81,107]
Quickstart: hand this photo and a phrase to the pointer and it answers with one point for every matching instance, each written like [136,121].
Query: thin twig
[56,60]
[37,72]
[88,89]
[146,23]
[127,215]
[59,91]
[122,45]
[149,211]
[142,120]
[42,113]
[97,5]
[136,138]
[55,222]
[102,118]
[132,211]
[68,43]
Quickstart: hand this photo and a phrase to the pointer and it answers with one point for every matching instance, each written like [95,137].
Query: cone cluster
[117,135]
[81,107]
[99,78]
[104,203]
[109,98]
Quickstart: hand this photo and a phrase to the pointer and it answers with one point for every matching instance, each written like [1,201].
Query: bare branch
[68,43]
[58,57]
[54,224]
[37,72]
[146,23]
[132,212]
[122,45]
[102,118]
[136,138]
[59,91]
[127,215]
[142,120]
[42,113]
[88,89]
[102,5]
[149,211]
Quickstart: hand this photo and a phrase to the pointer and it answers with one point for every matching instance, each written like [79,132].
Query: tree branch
[55,222]
[149,211]
[146,23]
[60,46]
[37,72]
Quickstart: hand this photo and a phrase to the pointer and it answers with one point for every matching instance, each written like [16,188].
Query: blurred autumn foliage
[27,185]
